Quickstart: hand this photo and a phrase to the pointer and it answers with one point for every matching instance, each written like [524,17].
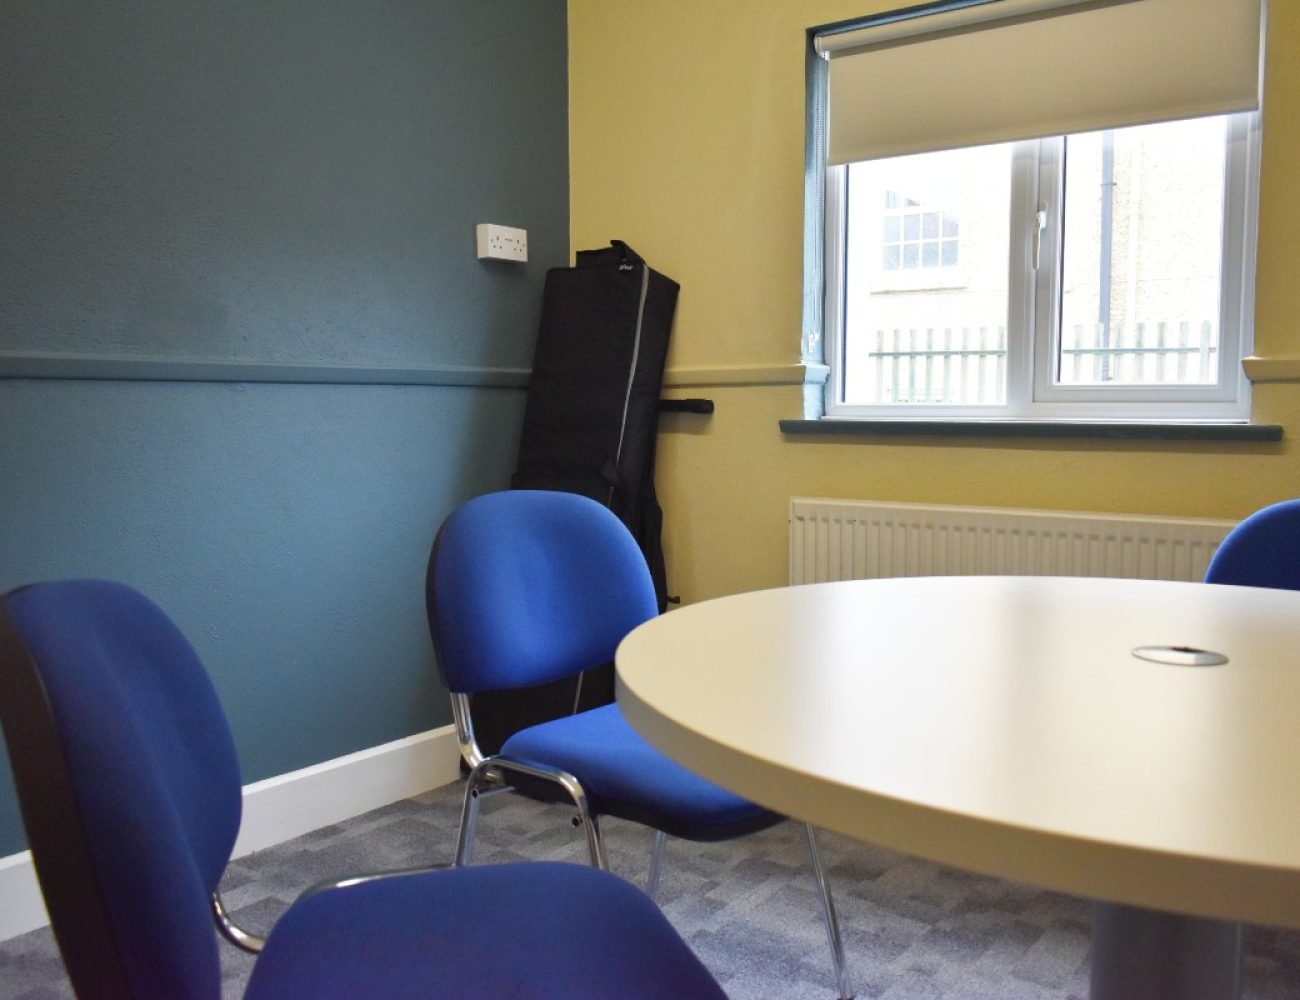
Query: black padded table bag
[592,414]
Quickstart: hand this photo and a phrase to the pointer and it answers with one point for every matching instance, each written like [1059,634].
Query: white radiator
[855,539]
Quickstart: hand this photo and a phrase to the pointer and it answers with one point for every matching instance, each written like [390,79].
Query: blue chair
[1262,551]
[130,793]
[527,587]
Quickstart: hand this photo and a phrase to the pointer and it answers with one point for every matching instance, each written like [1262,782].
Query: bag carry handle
[628,259]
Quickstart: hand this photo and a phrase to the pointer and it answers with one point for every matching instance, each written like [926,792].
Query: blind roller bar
[907,24]
[1041,68]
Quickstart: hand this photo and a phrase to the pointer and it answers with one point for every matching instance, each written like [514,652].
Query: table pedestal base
[1142,954]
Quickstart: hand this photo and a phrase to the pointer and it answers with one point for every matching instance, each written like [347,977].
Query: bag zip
[622,429]
[631,375]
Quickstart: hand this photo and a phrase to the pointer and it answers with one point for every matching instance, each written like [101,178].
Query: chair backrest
[529,586]
[128,783]
[1262,551]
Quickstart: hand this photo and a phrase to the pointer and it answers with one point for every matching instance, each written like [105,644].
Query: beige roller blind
[1018,69]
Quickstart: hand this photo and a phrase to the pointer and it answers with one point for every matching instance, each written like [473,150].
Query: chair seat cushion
[531,930]
[625,776]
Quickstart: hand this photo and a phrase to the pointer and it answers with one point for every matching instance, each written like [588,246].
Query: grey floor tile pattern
[913,930]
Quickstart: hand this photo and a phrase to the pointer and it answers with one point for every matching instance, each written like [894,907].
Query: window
[932,330]
[1106,247]
[917,233]
[1099,274]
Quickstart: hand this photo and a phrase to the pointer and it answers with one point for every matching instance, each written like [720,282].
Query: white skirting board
[286,806]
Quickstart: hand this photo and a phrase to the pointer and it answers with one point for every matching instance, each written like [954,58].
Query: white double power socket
[501,242]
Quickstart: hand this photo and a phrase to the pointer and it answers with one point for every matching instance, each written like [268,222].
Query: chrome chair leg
[468,819]
[590,827]
[585,818]
[656,864]
[828,915]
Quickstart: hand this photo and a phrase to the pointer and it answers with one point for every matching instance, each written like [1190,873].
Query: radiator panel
[854,540]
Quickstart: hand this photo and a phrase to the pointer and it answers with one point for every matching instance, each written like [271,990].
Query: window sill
[1112,429]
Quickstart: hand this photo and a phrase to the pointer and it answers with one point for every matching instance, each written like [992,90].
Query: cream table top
[1002,725]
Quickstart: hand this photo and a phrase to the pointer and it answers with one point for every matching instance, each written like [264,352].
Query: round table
[1005,726]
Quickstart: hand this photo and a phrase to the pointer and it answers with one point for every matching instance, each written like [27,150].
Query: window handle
[1040,225]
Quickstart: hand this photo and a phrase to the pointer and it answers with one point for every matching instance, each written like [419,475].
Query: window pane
[925,317]
[1142,248]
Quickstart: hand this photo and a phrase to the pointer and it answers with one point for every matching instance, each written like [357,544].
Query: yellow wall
[687,141]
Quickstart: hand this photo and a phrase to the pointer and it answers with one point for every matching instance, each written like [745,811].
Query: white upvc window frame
[1033,327]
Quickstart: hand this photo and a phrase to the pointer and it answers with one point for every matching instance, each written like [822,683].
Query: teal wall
[284,182]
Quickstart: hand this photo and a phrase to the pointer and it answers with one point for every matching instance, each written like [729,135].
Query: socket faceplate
[501,242]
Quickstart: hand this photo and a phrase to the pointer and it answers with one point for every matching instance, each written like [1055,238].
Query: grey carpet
[913,930]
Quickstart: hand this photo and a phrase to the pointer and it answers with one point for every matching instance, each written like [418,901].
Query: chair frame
[488,776]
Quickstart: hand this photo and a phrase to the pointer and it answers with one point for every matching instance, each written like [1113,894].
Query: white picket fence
[969,365]
[1149,354]
[940,366]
